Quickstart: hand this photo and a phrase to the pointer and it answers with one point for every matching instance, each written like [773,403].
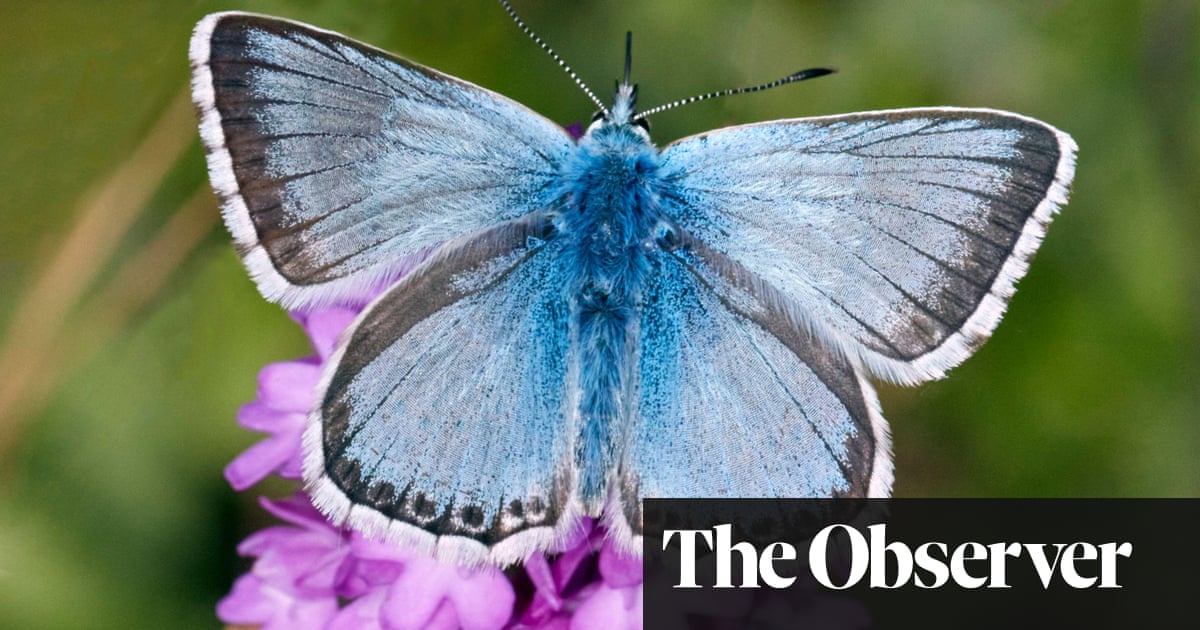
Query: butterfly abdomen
[609,217]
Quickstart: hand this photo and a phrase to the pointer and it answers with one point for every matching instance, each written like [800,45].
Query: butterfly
[571,326]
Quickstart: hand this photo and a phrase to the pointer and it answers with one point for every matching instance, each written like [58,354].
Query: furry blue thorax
[609,221]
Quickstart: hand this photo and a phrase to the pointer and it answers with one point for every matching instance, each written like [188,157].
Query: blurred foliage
[132,333]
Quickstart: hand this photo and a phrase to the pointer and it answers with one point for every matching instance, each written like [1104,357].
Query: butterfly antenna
[553,55]
[811,73]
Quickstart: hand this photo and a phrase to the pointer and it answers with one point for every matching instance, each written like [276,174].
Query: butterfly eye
[643,123]
[666,237]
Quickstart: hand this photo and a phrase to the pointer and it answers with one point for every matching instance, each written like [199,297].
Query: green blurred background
[130,334]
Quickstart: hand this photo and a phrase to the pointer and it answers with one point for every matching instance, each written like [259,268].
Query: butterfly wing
[442,423]
[735,401]
[895,236]
[338,163]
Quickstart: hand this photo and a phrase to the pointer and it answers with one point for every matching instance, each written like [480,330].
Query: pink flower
[291,584]
[285,396]
[304,569]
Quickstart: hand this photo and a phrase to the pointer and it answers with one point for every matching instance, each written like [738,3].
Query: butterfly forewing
[444,414]
[338,163]
[896,236]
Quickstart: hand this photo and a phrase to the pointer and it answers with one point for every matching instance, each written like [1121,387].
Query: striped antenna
[811,73]
[553,55]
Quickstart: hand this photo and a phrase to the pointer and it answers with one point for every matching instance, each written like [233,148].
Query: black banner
[921,563]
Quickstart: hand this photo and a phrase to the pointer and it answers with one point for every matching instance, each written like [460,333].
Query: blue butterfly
[598,321]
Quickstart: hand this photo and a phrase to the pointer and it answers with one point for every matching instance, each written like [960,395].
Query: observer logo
[891,565]
[927,563]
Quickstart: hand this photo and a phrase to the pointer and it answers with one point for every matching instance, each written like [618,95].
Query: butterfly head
[624,109]
[622,114]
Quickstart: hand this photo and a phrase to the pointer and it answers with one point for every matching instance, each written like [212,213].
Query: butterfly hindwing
[736,401]
[443,422]
[896,236]
[338,163]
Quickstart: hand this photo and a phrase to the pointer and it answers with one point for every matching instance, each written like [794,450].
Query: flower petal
[298,510]
[610,609]
[578,549]
[303,613]
[325,326]
[444,618]
[483,600]
[618,569]
[258,416]
[413,597]
[368,548]
[258,461]
[360,614]
[546,600]
[290,385]
[376,572]
[253,601]
[246,603]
